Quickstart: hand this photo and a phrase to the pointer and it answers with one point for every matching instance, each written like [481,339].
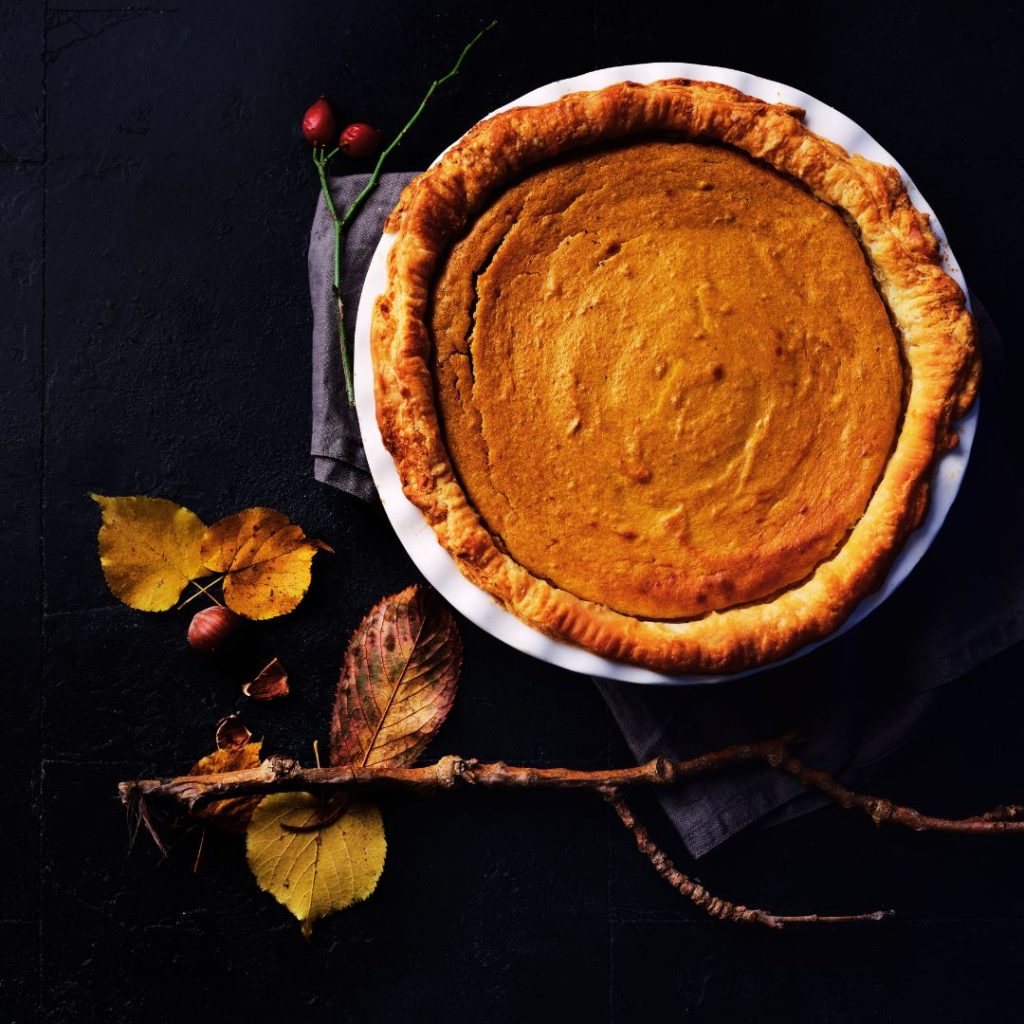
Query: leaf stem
[200,590]
[321,159]
[199,852]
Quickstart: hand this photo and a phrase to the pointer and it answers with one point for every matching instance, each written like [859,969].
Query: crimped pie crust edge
[937,333]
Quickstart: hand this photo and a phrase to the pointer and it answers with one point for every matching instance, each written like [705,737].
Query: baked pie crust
[667,372]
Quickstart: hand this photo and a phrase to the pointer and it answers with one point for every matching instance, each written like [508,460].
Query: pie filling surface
[665,375]
[634,366]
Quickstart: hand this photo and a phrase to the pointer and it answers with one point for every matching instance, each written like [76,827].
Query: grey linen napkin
[858,698]
[337,449]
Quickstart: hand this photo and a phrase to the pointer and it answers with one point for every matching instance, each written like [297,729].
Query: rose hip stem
[341,222]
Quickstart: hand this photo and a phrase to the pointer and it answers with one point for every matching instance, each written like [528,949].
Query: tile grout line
[42,532]
[609,840]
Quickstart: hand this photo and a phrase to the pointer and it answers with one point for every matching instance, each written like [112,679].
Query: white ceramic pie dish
[438,566]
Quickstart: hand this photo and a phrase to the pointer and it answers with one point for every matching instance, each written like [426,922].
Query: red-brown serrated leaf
[398,681]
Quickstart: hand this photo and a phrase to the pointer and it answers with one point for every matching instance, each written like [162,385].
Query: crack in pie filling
[667,372]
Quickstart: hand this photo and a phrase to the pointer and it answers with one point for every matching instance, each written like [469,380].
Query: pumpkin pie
[667,372]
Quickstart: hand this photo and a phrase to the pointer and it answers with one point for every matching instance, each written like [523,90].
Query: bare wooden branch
[715,905]
[1001,813]
[281,775]
[884,811]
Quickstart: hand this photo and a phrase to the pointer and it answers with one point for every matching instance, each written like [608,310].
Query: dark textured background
[156,198]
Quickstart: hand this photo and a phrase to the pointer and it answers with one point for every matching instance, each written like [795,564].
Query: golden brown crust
[928,307]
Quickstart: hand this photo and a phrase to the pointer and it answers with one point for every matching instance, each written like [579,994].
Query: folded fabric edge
[343,449]
[747,808]
[345,477]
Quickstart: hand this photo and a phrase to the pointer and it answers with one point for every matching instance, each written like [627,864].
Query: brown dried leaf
[149,550]
[232,733]
[398,682]
[265,558]
[272,682]
[232,815]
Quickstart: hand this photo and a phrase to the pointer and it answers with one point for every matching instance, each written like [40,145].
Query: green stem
[353,207]
[346,365]
[321,160]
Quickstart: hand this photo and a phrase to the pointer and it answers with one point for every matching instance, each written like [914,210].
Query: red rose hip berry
[319,124]
[210,628]
[359,140]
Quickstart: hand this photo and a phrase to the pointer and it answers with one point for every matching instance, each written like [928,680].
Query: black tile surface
[156,198]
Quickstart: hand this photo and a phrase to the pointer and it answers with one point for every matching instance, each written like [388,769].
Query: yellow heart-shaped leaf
[149,549]
[265,559]
[315,871]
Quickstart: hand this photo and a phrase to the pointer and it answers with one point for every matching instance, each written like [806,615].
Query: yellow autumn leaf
[313,873]
[265,559]
[234,814]
[149,549]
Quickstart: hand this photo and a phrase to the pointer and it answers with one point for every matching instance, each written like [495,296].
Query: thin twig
[724,910]
[339,223]
[353,207]
[137,809]
[884,811]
